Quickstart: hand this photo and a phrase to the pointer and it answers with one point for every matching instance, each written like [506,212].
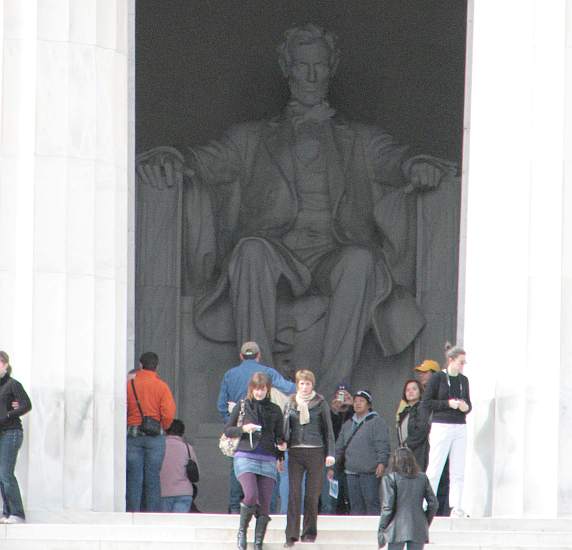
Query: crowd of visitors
[350,475]
[290,445]
[337,452]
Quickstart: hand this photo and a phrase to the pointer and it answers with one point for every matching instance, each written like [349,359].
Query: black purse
[148,426]
[191,468]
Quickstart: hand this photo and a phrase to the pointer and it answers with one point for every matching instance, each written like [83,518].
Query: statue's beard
[309,95]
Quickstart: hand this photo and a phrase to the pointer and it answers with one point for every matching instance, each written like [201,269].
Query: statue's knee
[251,251]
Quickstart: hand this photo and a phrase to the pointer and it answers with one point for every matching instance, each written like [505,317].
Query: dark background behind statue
[202,66]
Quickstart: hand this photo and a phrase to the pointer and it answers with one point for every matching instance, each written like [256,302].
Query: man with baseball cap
[426,370]
[363,447]
[234,387]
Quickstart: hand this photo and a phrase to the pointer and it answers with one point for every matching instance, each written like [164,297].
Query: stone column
[516,304]
[64,240]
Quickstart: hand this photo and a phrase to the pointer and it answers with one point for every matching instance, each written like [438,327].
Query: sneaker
[12,519]
[458,513]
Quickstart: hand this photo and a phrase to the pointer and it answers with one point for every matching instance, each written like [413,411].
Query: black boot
[246,513]
[260,531]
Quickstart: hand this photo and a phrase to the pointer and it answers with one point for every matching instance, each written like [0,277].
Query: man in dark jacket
[365,438]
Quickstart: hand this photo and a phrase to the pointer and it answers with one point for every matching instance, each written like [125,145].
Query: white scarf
[302,403]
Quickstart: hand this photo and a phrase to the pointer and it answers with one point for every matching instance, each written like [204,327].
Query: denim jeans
[180,504]
[10,443]
[144,459]
[363,490]
[401,545]
[235,493]
[328,504]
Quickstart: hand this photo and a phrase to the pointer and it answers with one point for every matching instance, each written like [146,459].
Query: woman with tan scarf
[311,446]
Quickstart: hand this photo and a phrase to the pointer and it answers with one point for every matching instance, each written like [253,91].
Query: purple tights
[257,490]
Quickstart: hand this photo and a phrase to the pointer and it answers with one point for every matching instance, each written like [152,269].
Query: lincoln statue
[313,211]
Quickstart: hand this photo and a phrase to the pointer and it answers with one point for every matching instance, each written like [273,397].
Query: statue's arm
[217,162]
[399,165]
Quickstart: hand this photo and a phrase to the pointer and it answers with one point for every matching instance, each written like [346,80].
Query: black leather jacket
[317,433]
[402,516]
[418,427]
[266,414]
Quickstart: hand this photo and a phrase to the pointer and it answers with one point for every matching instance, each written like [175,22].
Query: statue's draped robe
[256,168]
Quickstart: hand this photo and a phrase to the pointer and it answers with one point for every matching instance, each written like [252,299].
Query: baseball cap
[365,394]
[249,349]
[428,365]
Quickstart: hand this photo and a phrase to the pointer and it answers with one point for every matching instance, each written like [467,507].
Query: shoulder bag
[191,468]
[148,426]
[228,445]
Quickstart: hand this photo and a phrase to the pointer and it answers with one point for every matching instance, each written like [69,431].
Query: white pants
[448,440]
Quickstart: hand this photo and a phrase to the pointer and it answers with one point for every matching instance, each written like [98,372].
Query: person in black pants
[311,444]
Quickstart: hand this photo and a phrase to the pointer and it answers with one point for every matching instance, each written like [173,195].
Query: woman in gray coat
[403,520]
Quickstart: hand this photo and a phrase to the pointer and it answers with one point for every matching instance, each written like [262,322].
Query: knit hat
[428,365]
[365,394]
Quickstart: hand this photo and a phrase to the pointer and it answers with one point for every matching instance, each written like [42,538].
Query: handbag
[148,426]
[191,468]
[341,458]
[228,445]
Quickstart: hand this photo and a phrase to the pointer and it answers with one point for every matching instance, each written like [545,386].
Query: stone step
[101,531]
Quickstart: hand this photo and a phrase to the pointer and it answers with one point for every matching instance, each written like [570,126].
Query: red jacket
[155,397]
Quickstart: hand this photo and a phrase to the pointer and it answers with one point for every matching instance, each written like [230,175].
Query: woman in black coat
[403,520]
[259,424]
[413,423]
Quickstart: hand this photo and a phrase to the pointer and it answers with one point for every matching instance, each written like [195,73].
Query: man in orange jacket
[147,396]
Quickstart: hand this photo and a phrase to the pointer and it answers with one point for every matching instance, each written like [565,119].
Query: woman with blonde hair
[311,446]
[14,402]
[258,422]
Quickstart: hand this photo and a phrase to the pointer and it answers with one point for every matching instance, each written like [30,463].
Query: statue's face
[309,72]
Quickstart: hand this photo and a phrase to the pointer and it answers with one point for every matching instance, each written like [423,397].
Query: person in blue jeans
[177,491]
[14,402]
[233,388]
[147,396]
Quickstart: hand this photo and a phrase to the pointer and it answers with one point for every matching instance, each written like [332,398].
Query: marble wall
[515,305]
[64,233]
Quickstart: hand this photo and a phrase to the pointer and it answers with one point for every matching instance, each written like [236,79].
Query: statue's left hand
[425,176]
[160,167]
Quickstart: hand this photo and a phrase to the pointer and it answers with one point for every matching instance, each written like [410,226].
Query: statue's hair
[308,34]
[452,352]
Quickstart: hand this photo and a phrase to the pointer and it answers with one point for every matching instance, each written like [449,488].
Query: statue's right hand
[160,167]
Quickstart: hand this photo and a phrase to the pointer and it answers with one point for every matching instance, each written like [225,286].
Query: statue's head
[308,58]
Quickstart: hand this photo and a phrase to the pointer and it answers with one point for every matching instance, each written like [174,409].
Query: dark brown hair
[407,382]
[403,462]
[5,358]
[258,380]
